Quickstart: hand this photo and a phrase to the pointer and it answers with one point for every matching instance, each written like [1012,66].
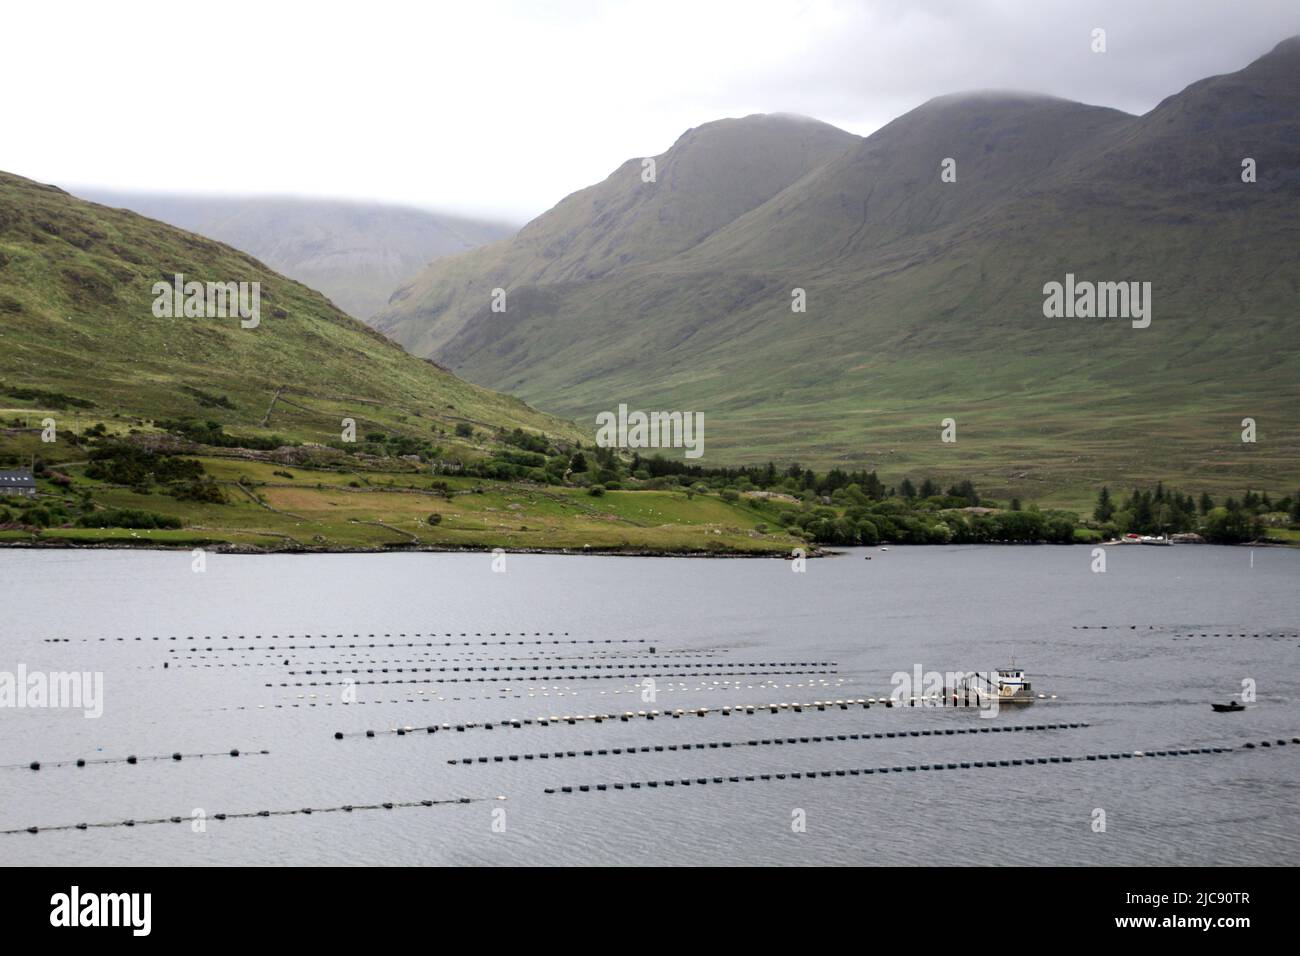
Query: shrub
[521,439]
[1230,527]
[127,518]
[212,433]
[198,489]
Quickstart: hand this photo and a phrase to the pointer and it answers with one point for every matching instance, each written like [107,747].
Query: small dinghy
[1230,707]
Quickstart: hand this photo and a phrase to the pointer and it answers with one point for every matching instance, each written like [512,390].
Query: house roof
[17,479]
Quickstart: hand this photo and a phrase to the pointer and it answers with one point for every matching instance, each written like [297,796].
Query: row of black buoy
[393,644]
[509,695]
[774,741]
[1182,633]
[572,719]
[355,703]
[1208,634]
[570,667]
[285,662]
[253,814]
[132,759]
[1114,627]
[337,637]
[276,637]
[908,768]
[497,680]
[435,656]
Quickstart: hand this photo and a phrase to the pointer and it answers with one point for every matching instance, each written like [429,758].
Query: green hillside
[177,431]
[76,302]
[710,176]
[925,301]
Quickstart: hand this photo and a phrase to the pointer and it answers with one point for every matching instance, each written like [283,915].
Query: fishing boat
[1012,685]
[1231,707]
[1008,684]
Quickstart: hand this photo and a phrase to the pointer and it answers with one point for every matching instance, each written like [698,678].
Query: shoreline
[224,548]
[811,551]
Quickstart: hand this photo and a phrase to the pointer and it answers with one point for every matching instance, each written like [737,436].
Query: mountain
[230,433]
[355,253]
[77,321]
[710,176]
[925,298]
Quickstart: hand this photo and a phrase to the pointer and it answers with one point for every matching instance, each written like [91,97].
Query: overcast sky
[501,109]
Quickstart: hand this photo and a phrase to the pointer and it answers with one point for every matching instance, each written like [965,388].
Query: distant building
[19,482]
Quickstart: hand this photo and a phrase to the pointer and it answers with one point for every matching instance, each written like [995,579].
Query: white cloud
[503,108]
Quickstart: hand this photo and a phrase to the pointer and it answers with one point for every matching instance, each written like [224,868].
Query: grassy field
[379,509]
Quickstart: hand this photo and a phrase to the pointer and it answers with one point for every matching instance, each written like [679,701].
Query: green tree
[1231,526]
[1105,509]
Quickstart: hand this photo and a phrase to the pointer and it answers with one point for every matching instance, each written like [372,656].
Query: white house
[20,482]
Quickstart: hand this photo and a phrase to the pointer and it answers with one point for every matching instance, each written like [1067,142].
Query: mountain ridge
[913,284]
[576,239]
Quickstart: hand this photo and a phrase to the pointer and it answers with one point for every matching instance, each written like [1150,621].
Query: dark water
[1143,683]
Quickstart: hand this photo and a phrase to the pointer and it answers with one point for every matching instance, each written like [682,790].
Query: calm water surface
[1183,626]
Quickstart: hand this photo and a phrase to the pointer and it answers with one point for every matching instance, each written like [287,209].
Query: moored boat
[1007,684]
